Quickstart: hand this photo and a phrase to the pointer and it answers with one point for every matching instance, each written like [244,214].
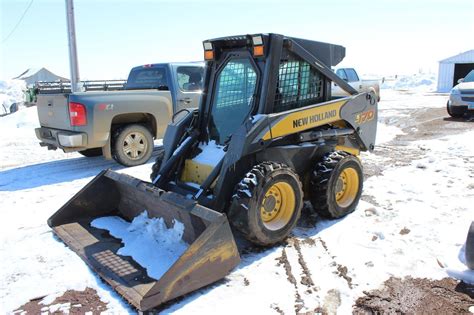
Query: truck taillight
[77,114]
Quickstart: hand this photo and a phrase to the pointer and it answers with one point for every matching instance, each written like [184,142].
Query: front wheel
[267,203]
[336,184]
[132,145]
[453,112]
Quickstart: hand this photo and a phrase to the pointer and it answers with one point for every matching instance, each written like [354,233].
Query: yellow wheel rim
[347,187]
[278,206]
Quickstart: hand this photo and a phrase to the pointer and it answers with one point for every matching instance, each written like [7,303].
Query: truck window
[341,74]
[299,85]
[147,78]
[190,78]
[352,75]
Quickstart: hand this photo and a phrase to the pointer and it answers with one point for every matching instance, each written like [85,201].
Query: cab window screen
[299,85]
[233,98]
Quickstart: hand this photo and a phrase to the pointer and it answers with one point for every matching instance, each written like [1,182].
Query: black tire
[91,152]
[132,145]
[470,247]
[336,184]
[453,112]
[155,168]
[268,186]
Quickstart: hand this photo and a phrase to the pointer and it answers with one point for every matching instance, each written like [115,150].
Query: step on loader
[267,136]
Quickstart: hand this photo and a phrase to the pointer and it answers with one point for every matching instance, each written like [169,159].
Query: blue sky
[381,36]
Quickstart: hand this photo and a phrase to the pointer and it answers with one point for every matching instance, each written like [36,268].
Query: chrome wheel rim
[135,145]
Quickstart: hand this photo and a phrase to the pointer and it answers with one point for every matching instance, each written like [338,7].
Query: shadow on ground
[55,172]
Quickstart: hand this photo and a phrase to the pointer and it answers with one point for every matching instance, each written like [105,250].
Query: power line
[18,23]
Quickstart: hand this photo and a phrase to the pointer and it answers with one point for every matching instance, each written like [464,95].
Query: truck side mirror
[461,80]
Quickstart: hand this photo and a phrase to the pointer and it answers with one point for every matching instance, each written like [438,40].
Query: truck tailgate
[53,111]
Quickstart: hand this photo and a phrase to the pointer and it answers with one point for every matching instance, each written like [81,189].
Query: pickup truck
[119,124]
[350,75]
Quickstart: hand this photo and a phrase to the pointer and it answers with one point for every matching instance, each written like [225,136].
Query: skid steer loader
[267,136]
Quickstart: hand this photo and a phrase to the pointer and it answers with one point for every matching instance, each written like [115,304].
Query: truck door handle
[186,100]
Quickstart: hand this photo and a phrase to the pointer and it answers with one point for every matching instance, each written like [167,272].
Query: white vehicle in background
[461,98]
[351,76]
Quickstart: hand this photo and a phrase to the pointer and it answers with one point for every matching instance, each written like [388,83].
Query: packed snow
[211,153]
[147,240]
[421,82]
[413,221]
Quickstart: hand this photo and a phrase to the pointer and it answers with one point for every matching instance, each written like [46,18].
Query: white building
[454,68]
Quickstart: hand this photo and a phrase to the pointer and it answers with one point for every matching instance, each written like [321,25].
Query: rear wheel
[91,152]
[267,203]
[132,145]
[336,184]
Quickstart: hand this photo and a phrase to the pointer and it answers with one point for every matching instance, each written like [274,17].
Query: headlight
[455,91]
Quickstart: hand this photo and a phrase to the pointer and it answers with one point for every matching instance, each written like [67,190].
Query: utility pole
[71,35]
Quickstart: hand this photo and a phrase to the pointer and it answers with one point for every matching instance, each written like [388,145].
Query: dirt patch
[306,276]
[246,282]
[342,272]
[417,296]
[71,302]
[404,231]
[309,242]
[283,261]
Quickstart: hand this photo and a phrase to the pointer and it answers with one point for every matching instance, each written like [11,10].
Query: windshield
[233,98]
[469,77]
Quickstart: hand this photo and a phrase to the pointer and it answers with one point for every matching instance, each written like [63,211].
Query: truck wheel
[157,165]
[267,203]
[132,145]
[336,184]
[91,152]
[454,113]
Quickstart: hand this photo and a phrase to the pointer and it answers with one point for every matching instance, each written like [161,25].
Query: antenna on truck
[71,35]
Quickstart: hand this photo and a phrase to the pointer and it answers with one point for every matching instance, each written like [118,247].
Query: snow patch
[423,82]
[147,240]
[386,133]
[211,153]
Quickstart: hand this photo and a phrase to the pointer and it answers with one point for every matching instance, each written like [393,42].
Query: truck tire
[155,168]
[91,152]
[267,203]
[453,112]
[336,184]
[470,247]
[132,145]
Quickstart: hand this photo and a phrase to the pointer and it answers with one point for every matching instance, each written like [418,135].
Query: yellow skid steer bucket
[210,256]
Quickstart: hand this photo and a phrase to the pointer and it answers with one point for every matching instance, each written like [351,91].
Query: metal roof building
[33,75]
[454,68]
